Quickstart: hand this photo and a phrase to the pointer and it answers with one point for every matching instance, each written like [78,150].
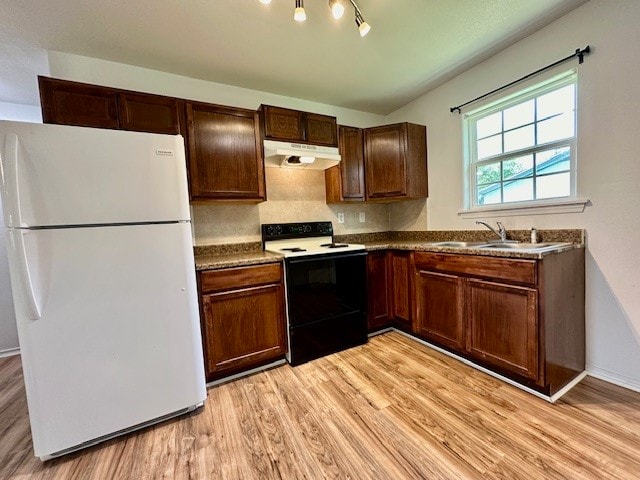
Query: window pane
[555,160]
[489,146]
[558,101]
[550,186]
[521,166]
[520,138]
[488,173]
[489,125]
[519,115]
[518,190]
[556,128]
[489,194]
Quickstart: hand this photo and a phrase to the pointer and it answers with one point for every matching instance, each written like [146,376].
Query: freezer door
[115,338]
[62,175]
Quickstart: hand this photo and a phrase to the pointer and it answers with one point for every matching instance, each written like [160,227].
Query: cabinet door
[320,129]
[502,326]
[385,161]
[378,290]
[351,145]
[283,123]
[225,157]
[149,113]
[440,308]
[72,103]
[401,287]
[243,328]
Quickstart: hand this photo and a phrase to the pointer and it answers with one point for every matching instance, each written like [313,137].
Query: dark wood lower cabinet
[379,311]
[521,318]
[243,318]
[401,267]
[502,326]
[439,308]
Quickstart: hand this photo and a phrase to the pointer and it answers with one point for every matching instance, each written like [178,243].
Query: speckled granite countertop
[431,247]
[243,259]
[211,257]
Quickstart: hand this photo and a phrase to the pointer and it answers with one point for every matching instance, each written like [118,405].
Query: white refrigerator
[103,278]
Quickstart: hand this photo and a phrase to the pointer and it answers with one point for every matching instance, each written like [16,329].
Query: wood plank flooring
[392,409]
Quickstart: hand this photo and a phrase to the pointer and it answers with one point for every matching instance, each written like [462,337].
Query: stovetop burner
[304,240]
[334,245]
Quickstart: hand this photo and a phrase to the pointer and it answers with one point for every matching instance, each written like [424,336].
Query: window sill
[572,205]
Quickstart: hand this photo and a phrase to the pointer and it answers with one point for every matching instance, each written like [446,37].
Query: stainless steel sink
[528,247]
[460,244]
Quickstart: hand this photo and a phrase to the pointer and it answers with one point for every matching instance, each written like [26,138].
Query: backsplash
[292,196]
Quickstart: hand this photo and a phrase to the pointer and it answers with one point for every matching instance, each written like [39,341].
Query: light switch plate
[340,217]
[361,217]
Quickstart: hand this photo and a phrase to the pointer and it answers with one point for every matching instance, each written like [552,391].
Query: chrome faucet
[501,232]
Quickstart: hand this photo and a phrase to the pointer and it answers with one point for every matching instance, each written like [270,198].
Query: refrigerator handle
[11,194]
[33,309]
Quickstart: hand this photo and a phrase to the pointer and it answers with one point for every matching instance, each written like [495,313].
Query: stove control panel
[284,231]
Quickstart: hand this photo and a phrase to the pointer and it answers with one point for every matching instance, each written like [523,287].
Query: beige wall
[293,196]
[608,165]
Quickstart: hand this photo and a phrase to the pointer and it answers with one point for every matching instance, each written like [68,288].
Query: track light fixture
[337,11]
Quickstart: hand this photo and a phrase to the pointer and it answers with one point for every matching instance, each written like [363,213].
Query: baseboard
[10,352]
[610,377]
[246,373]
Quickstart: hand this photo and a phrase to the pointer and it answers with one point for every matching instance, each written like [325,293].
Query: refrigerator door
[114,339]
[60,175]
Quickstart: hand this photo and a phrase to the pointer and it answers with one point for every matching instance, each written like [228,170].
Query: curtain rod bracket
[580,53]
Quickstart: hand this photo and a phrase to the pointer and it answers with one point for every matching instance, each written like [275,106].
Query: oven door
[327,304]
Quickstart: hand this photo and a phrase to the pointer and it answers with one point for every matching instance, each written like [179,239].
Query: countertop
[228,258]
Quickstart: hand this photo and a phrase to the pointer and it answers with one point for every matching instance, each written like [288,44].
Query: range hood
[299,155]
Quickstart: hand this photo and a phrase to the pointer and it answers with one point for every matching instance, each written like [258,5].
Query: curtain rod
[578,53]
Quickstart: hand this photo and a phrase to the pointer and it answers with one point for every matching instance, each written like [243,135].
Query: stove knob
[306,228]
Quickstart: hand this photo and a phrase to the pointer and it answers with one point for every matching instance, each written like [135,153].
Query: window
[521,149]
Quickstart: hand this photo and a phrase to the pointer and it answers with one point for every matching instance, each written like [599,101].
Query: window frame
[470,145]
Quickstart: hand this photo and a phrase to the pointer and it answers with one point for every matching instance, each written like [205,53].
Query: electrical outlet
[361,217]
[341,217]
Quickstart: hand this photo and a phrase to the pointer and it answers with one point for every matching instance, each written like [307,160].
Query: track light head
[299,14]
[363,26]
[337,8]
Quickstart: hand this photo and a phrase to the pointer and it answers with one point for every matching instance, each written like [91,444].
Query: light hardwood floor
[392,409]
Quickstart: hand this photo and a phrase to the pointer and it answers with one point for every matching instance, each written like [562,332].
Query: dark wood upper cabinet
[379,164]
[81,104]
[225,155]
[150,113]
[396,161]
[289,125]
[72,103]
[320,129]
[282,123]
[345,182]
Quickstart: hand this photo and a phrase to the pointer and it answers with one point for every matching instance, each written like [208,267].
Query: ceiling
[413,45]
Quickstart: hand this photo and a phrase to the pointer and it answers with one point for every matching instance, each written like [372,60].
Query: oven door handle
[312,258]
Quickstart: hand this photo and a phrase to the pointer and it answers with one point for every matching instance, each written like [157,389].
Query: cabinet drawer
[508,269]
[241,277]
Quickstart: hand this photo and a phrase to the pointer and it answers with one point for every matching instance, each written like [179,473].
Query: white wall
[102,72]
[8,329]
[20,113]
[608,165]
